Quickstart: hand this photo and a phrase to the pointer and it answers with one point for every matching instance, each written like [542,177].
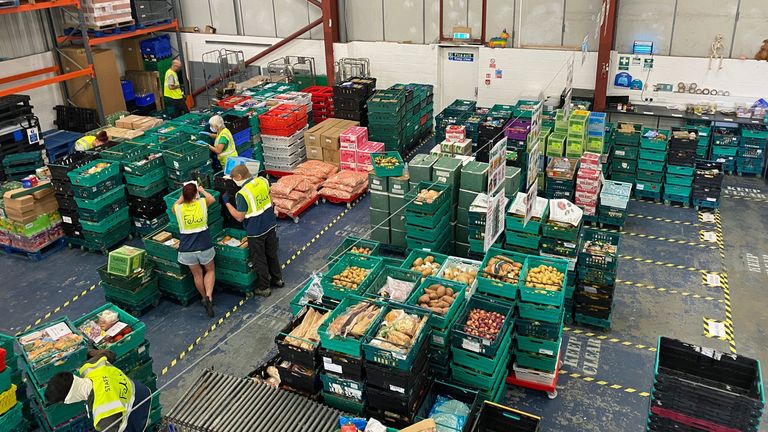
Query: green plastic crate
[647,187]
[486,284]
[373,264]
[419,253]
[147,191]
[538,295]
[625,152]
[477,362]
[515,222]
[540,312]
[561,231]
[129,342]
[594,257]
[347,345]
[185,156]
[480,345]
[389,357]
[160,250]
[395,171]
[130,282]
[678,190]
[45,371]
[429,234]
[225,251]
[480,380]
[352,241]
[102,201]
[437,320]
[133,298]
[624,165]
[652,155]
[239,278]
[146,178]
[521,240]
[12,419]
[535,360]
[107,223]
[344,404]
[650,176]
[91,192]
[398,273]
[443,197]
[678,180]
[648,165]
[80,177]
[429,221]
[680,170]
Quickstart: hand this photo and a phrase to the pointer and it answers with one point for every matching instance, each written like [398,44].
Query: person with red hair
[195,245]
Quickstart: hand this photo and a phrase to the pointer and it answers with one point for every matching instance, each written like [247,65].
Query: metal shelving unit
[88,41]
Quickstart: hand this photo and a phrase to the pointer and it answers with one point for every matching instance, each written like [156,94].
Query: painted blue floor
[604,372]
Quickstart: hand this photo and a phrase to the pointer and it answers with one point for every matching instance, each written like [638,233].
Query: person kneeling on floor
[115,402]
[195,245]
[253,207]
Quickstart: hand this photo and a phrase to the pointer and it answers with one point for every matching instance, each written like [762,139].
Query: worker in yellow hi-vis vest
[116,403]
[173,94]
[223,141]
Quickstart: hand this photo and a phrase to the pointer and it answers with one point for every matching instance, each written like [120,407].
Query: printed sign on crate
[497,162]
[494,219]
[530,201]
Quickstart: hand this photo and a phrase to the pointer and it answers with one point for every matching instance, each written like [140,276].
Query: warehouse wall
[677,27]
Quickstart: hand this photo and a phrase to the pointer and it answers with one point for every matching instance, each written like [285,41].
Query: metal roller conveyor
[217,402]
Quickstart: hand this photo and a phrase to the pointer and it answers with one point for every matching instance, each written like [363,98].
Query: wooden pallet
[37,255]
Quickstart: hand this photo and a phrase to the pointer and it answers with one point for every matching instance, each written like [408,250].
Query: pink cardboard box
[364,167]
[347,166]
[455,133]
[353,137]
[348,156]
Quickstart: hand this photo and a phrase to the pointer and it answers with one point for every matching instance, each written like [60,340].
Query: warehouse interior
[564,198]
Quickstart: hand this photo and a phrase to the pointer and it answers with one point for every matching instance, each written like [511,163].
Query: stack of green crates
[651,163]
[725,145]
[132,353]
[387,118]
[596,142]
[448,170]
[14,402]
[561,122]
[379,214]
[598,259]
[40,370]
[174,280]
[232,263]
[188,161]
[539,327]
[606,158]
[418,113]
[145,178]
[751,152]
[577,134]
[704,131]
[522,237]
[19,165]
[129,281]
[561,241]
[556,144]
[479,360]
[473,181]
[215,220]
[561,178]
[428,222]
[681,162]
[102,204]
[625,152]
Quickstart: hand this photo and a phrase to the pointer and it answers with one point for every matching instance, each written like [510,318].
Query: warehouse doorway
[458,74]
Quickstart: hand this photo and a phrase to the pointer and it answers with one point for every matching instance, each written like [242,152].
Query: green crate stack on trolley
[174,280]
[67,355]
[472,182]
[428,214]
[110,327]
[20,165]
[726,137]
[387,118]
[14,402]
[188,161]
[520,236]
[541,308]
[102,204]
[652,163]
[233,269]
[751,152]
[128,280]
[598,259]
[625,151]
[145,176]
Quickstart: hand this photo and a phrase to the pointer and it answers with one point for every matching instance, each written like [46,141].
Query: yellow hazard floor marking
[707,322]
[665,264]
[760,200]
[610,339]
[56,310]
[659,238]
[725,286]
[660,219]
[240,304]
[606,384]
[670,291]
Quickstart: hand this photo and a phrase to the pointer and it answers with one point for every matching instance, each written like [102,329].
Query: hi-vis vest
[230,150]
[256,194]
[167,91]
[113,392]
[192,217]
[85,143]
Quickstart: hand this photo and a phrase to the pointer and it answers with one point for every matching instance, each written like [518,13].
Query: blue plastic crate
[128,93]
[242,137]
[145,100]
[158,47]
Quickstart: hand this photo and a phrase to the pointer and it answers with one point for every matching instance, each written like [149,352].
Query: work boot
[208,307]
[262,292]
[277,283]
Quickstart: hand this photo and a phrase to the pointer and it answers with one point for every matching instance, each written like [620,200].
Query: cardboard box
[105,67]
[146,82]
[314,153]
[331,135]
[353,137]
[125,134]
[312,136]
[348,156]
[131,50]
[348,166]
[331,156]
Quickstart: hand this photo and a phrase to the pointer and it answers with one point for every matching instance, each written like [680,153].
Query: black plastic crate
[493,417]
[235,123]
[301,379]
[348,104]
[599,300]
[307,358]
[404,404]
[359,116]
[683,385]
[385,377]
[351,367]
[76,119]
[66,202]
[662,424]
[455,392]
[397,421]
[710,410]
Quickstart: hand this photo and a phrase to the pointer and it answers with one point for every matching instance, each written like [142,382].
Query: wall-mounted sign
[461,57]
[623,62]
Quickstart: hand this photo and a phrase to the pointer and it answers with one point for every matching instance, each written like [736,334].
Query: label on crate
[640,186]
[399,356]
[330,367]
[546,352]
[712,200]
[66,219]
[470,345]
[619,152]
[439,340]
[397,389]
[590,290]
[141,349]
[569,245]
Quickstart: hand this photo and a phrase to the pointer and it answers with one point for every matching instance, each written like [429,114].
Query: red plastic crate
[2,359]
[231,101]
[319,90]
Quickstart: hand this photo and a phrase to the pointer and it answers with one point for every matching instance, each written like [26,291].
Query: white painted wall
[747,80]
[43,98]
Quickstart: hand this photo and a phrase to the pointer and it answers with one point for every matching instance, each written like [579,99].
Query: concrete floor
[605,374]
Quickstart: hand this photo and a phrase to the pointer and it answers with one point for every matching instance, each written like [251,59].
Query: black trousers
[175,107]
[263,257]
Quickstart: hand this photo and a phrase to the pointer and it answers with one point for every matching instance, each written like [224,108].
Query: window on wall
[14,25]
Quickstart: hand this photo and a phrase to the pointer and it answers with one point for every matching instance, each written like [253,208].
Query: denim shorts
[197,257]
